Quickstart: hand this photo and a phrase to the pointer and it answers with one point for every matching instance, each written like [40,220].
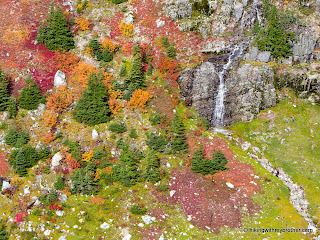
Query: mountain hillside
[151,119]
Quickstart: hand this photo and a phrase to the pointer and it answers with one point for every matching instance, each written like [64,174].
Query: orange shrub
[109,44]
[139,99]
[114,106]
[65,61]
[72,163]
[59,100]
[82,23]
[79,77]
[50,118]
[97,200]
[49,137]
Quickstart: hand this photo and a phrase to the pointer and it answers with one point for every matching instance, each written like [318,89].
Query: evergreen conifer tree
[153,168]
[179,140]
[3,233]
[59,183]
[55,32]
[92,107]
[12,108]
[30,97]
[52,196]
[136,76]
[171,52]
[4,92]
[197,160]
[123,71]
[21,164]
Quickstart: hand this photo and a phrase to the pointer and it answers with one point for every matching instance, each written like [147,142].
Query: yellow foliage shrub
[82,23]
[15,34]
[126,29]
[86,157]
[139,99]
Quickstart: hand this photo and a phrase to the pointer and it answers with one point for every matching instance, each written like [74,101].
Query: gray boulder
[264,56]
[59,79]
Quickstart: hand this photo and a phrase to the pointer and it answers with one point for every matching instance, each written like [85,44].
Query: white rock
[56,160]
[128,18]
[81,220]
[141,225]
[5,185]
[59,79]
[172,192]
[26,190]
[160,23]
[230,185]
[161,237]
[127,237]
[62,238]
[47,232]
[75,226]
[168,165]
[94,134]
[63,198]
[60,213]
[148,219]
[104,225]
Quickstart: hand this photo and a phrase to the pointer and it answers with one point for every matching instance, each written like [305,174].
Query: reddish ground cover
[19,52]
[4,165]
[211,205]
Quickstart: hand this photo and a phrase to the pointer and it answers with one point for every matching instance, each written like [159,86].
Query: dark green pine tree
[171,52]
[219,160]
[92,107]
[153,168]
[12,108]
[4,92]
[136,77]
[179,140]
[30,97]
[52,196]
[59,183]
[126,171]
[31,156]
[21,164]
[55,32]
[197,159]
[3,233]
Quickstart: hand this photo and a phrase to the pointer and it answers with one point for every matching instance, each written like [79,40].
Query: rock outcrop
[249,89]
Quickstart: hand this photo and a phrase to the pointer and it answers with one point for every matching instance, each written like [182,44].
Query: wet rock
[238,11]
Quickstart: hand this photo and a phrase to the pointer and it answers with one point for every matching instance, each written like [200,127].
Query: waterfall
[256,7]
[217,118]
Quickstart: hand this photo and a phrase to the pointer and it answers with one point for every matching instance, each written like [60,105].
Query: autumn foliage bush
[82,23]
[127,29]
[139,99]
[60,100]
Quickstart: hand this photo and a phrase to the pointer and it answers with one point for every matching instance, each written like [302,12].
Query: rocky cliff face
[249,89]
